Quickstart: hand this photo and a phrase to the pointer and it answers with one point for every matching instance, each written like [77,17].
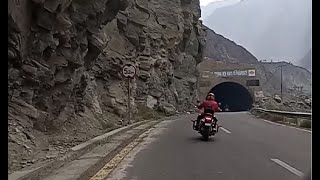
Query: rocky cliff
[295,80]
[64,66]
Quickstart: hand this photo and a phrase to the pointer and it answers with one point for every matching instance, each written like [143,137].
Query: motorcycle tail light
[208,118]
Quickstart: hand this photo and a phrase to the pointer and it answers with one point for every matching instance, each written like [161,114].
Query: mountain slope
[268,29]
[223,49]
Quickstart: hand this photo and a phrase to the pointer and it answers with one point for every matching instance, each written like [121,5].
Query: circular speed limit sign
[129,71]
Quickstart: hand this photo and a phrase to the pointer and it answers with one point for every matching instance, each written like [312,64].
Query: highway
[245,148]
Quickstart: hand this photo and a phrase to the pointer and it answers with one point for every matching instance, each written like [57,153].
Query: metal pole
[281,81]
[129,110]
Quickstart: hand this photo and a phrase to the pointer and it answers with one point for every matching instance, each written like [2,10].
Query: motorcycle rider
[209,106]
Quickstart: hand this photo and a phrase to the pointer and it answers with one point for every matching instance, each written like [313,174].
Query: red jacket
[213,104]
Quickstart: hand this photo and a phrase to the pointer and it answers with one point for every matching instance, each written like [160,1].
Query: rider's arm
[216,108]
[201,105]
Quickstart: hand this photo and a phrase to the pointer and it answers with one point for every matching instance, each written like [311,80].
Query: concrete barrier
[298,119]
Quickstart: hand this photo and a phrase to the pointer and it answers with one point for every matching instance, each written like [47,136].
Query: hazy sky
[205,2]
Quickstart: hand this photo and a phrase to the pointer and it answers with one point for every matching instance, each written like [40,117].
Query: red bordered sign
[129,71]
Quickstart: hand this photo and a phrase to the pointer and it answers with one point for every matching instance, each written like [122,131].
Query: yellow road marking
[113,163]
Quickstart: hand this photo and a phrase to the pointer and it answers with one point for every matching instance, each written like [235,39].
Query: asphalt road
[247,149]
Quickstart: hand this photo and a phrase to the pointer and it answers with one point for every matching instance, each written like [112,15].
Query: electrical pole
[281,80]
[269,78]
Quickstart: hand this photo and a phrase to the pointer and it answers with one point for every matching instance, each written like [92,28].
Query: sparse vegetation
[146,113]
[292,121]
[298,122]
[305,124]
[276,118]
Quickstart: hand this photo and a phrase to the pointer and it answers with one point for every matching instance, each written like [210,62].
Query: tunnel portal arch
[233,95]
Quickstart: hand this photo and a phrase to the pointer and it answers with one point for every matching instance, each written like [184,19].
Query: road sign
[129,71]
[252,72]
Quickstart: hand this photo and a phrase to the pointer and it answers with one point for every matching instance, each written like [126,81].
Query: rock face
[295,80]
[298,103]
[65,59]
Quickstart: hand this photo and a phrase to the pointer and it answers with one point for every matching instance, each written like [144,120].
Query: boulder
[277,98]
[151,101]
[167,108]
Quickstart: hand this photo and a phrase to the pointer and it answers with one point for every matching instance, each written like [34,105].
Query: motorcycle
[208,126]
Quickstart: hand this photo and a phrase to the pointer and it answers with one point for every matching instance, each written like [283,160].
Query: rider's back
[208,103]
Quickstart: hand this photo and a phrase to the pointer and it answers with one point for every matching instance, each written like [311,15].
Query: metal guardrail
[300,114]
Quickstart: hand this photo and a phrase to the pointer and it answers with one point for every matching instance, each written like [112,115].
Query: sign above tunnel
[253,82]
[250,72]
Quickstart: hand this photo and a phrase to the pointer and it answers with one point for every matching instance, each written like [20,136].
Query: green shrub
[276,118]
[305,123]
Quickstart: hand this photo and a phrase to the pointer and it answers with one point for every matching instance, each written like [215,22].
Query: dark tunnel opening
[232,96]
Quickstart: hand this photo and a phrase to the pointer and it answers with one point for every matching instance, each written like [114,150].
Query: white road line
[278,124]
[225,130]
[288,167]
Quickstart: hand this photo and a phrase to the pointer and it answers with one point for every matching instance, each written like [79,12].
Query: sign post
[129,71]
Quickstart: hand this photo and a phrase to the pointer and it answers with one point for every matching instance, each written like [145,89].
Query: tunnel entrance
[232,96]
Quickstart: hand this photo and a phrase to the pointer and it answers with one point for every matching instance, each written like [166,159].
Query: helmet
[211,96]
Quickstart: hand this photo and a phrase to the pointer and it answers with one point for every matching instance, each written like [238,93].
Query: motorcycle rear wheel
[205,133]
